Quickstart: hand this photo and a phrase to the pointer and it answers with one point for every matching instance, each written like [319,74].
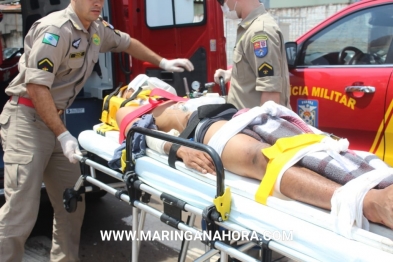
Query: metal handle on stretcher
[222,87]
[183,142]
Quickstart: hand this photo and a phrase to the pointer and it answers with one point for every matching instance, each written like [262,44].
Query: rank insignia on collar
[265,69]
[76,43]
[45,64]
[77,27]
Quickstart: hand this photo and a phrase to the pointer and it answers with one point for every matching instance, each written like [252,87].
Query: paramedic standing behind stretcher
[60,52]
[260,69]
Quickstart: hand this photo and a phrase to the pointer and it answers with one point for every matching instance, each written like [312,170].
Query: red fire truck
[341,76]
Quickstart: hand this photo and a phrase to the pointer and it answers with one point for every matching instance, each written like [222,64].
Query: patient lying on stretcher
[242,155]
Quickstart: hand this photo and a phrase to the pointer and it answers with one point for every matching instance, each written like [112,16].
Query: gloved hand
[176,65]
[70,146]
[226,74]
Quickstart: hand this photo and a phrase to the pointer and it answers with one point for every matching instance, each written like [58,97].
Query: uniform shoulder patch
[45,64]
[265,69]
[259,43]
[51,39]
[106,24]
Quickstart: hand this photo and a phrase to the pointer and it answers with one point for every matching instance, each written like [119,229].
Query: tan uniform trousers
[32,155]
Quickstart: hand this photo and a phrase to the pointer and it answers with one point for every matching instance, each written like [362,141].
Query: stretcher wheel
[70,199]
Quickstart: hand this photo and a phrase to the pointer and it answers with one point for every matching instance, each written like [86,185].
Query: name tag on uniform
[77,55]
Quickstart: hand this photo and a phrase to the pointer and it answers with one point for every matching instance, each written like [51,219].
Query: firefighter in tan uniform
[260,69]
[60,52]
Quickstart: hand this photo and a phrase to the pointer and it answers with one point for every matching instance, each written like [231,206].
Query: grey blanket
[272,128]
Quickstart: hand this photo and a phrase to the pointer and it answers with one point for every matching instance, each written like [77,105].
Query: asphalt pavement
[109,213]
[106,213]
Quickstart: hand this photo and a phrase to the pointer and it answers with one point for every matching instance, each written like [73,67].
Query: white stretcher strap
[347,201]
[237,124]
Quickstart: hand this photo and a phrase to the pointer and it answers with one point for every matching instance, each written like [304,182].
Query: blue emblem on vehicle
[308,111]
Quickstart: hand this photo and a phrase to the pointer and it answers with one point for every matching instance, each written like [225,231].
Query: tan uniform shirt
[259,61]
[60,53]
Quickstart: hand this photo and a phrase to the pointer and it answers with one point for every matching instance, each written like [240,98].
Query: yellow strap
[104,128]
[279,154]
[123,160]
[223,204]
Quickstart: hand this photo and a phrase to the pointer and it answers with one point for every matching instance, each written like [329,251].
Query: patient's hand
[378,206]
[196,159]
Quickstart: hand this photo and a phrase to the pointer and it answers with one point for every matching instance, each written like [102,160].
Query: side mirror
[291,51]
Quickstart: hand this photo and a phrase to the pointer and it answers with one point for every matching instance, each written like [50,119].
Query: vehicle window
[166,13]
[360,38]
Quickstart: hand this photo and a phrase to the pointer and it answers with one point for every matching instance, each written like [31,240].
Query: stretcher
[305,233]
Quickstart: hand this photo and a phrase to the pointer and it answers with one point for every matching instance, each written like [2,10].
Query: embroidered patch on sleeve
[45,64]
[77,55]
[265,70]
[260,45]
[51,39]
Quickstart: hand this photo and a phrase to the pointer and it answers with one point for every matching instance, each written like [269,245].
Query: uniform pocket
[16,168]
[237,69]
[4,122]
[75,63]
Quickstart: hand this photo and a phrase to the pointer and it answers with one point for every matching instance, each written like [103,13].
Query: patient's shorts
[204,124]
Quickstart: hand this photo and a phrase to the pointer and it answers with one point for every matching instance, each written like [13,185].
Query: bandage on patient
[157,144]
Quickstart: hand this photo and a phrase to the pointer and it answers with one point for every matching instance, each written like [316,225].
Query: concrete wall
[293,22]
[11,30]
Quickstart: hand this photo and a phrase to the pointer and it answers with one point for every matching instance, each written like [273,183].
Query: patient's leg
[242,155]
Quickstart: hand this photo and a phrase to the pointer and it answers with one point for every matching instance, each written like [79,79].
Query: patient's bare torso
[171,115]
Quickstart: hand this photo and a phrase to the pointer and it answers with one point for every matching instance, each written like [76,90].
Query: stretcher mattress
[309,226]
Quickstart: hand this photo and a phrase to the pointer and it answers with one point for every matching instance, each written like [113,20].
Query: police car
[341,76]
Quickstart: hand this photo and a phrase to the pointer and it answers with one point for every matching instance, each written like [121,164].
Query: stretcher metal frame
[137,194]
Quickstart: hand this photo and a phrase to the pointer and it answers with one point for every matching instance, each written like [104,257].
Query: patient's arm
[193,158]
